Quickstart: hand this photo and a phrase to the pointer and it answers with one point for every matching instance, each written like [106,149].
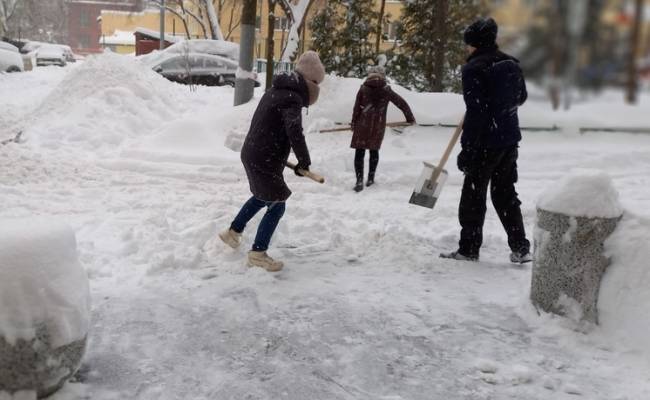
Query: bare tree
[234,19]
[635,42]
[296,13]
[270,45]
[214,20]
[380,25]
[7,12]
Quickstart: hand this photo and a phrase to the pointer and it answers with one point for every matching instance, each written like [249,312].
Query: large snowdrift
[102,102]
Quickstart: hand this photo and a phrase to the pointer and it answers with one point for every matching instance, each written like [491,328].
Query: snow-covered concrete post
[245,82]
[44,307]
[574,218]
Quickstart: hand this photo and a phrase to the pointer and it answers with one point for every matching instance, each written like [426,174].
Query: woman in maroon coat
[369,121]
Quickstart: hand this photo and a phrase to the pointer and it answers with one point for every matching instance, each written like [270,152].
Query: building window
[281,23]
[390,31]
[84,18]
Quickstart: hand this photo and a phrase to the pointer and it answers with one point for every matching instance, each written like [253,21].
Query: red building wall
[84,30]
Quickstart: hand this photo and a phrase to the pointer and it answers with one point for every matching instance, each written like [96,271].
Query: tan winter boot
[262,260]
[231,238]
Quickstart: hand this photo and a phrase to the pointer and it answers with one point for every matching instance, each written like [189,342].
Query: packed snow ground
[143,170]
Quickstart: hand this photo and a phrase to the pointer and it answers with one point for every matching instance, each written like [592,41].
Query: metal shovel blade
[426,192]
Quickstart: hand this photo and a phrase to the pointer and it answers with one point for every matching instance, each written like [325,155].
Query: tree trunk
[214,20]
[441,11]
[270,45]
[296,13]
[557,52]
[244,84]
[635,39]
[380,25]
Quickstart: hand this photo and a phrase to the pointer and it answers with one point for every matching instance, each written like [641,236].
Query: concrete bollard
[574,219]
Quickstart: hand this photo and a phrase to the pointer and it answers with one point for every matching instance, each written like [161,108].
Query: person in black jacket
[493,89]
[276,128]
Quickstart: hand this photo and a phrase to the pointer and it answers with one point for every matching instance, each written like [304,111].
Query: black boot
[359,185]
[371,179]
[358,169]
[374,160]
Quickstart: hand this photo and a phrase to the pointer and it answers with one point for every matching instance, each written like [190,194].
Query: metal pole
[244,85]
[162,24]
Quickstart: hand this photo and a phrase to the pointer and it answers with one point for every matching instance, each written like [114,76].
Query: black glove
[300,167]
[466,159]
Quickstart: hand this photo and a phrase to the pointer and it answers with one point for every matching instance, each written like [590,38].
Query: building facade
[84,24]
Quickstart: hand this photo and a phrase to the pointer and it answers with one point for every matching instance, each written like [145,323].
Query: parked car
[196,68]
[10,58]
[50,55]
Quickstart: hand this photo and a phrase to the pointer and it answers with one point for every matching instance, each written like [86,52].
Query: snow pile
[208,137]
[128,99]
[625,290]
[41,282]
[583,193]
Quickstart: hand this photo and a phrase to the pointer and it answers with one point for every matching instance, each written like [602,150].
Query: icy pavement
[364,309]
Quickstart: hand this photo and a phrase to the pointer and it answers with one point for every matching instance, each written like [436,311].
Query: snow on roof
[206,46]
[124,38]
[156,34]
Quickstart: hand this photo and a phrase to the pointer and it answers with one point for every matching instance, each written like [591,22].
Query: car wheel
[13,69]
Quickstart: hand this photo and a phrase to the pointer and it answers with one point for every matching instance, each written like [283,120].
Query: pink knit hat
[310,67]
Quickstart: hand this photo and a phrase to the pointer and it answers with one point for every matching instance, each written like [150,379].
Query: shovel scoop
[429,185]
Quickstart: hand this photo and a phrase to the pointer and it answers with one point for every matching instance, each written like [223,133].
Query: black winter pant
[359,156]
[498,169]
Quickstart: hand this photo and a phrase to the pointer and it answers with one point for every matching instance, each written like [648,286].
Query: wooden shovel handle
[450,147]
[348,128]
[311,175]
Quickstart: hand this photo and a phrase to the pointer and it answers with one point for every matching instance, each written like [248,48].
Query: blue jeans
[275,211]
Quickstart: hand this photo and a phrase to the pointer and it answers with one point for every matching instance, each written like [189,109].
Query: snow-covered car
[50,55]
[221,48]
[10,58]
[196,68]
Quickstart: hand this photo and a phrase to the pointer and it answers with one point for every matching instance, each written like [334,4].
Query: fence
[278,66]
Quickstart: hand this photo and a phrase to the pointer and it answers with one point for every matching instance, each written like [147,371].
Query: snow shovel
[428,187]
[308,174]
[349,128]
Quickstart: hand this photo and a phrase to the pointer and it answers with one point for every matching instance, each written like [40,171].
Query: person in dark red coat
[275,130]
[369,121]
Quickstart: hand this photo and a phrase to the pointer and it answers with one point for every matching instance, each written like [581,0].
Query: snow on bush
[625,290]
[41,282]
[583,193]
[103,101]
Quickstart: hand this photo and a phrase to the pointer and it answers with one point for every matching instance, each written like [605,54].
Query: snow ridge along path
[364,308]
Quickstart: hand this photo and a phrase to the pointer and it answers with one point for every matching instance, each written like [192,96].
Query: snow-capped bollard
[573,220]
[44,307]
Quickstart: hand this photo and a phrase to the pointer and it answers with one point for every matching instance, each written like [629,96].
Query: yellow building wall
[124,49]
